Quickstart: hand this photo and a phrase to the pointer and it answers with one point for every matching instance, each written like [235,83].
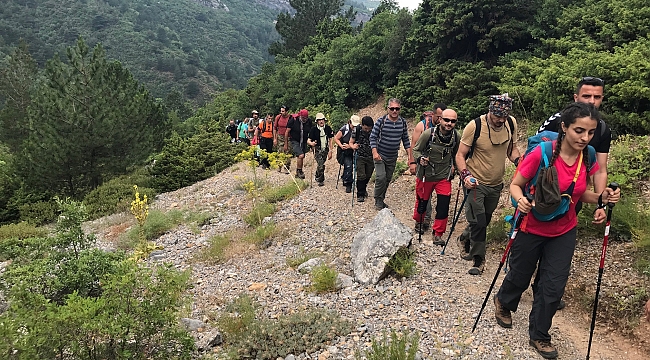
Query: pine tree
[90,121]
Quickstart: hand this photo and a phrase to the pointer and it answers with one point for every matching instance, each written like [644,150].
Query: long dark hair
[569,115]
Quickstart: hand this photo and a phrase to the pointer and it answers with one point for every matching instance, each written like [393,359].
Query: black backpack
[477,133]
[345,139]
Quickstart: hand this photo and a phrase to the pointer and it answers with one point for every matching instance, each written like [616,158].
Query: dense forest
[194,47]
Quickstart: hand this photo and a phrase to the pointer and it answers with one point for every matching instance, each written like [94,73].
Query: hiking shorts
[297,149]
[281,142]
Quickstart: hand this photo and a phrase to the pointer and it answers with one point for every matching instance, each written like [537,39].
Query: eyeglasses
[394,108]
[453,121]
[592,80]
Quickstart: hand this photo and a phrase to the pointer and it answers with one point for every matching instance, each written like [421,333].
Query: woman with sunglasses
[549,245]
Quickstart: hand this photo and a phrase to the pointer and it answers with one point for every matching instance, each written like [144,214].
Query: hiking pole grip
[601,269]
[520,217]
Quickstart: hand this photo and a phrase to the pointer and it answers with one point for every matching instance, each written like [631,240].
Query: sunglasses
[453,121]
[592,80]
[394,108]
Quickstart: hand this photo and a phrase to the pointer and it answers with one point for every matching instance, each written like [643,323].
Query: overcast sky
[411,4]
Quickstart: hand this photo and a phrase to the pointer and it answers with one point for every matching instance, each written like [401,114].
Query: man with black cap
[482,172]
[298,131]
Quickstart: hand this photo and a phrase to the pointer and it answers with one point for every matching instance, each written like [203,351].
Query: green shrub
[403,263]
[498,230]
[302,332]
[157,224]
[258,213]
[397,347]
[184,161]
[629,162]
[301,257]
[400,167]
[239,316]
[39,212]
[261,234]
[284,192]
[323,279]
[21,231]
[214,253]
[79,302]
[116,195]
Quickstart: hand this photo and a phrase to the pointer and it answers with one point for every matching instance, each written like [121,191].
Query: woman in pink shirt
[548,245]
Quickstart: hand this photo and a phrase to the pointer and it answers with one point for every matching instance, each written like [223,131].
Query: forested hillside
[193,46]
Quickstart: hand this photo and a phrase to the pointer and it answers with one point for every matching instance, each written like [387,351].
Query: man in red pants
[434,153]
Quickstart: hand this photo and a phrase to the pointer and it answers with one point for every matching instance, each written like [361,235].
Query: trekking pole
[354,174]
[338,177]
[453,223]
[520,217]
[311,174]
[610,207]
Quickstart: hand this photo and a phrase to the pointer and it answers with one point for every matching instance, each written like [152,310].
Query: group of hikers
[572,169]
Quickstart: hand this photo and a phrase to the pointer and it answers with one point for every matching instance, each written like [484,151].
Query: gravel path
[440,302]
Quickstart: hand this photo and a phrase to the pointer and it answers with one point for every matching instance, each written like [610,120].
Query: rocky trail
[440,301]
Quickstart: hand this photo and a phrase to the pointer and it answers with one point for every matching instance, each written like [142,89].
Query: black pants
[266,144]
[552,257]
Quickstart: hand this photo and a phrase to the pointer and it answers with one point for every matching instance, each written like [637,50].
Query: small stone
[324,355]
[192,324]
[290,357]
[257,287]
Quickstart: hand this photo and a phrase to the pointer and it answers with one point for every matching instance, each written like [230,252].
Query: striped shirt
[386,136]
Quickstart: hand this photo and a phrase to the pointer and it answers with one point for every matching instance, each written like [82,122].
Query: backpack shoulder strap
[547,152]
[592,157]
[477,133]
[357,132]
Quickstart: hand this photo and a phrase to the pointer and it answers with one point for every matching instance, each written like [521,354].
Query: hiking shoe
[300,174]
[321,183]
[544,348]
[561,305]
[503,316]
[361,198]
[348,188]
[479,266]
[380,205]
[464,252]
[437,240]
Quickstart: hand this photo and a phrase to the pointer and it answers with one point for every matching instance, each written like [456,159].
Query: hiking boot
[321,183]
[503,316]
[437,240]
[479,266]
[379,204]
[464,251]
[361,198]
[561,305]
[544,348]
[348,188]
[300,174]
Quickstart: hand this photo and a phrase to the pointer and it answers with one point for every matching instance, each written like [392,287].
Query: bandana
[500,105]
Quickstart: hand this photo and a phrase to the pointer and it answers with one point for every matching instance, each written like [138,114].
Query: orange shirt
[266,129]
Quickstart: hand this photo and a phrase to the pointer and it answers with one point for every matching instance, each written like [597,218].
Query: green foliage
[400,167]
[8,186]
[87,303]
[629,162]
[184,161]
[399,346]
[261,234]
[21,231]
[301,332]
[214,253]
[157,224]
[166,44]
[69,151]
[499,230]
[258,213]
[301,257]
[239,316]
[284,192]
[39,212]
[323,279]
[403,263]
[116,194]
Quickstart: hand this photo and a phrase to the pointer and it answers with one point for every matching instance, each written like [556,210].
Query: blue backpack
[545,141]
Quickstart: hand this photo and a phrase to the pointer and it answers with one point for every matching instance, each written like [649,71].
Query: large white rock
[375,245]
